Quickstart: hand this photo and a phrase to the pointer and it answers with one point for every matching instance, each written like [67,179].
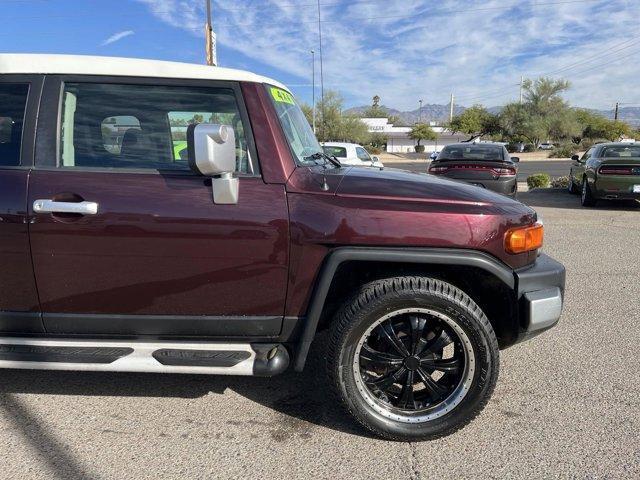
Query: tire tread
[379,290]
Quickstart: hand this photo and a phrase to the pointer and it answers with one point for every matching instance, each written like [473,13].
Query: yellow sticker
[283,96]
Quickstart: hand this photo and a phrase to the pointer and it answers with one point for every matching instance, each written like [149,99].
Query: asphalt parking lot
[555,168]
[567,403]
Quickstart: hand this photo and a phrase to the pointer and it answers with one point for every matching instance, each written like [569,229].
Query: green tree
[375,110]
[197,118]
[378,140]
[595,127]
[542,116]
[422,131]
[308,112]
[475,121]
[333,125]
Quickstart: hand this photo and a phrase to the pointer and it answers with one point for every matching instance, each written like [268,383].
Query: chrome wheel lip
[418,416]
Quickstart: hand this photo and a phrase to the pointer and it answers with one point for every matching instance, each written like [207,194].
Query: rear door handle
[50,206]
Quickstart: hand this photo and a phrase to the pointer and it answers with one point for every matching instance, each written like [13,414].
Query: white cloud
[405,50]
[117,36]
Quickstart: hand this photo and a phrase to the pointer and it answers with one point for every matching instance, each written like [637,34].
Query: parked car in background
[608,171]
[128,257]
[546,146]
[482,164]
[351,154]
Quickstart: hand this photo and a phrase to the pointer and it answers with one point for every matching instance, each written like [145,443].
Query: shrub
[529,147]
[538,180]
[564,150]
[560,182]
[373,150]
[419,148]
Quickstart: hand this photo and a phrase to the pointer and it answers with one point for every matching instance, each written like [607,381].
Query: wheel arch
[453,265]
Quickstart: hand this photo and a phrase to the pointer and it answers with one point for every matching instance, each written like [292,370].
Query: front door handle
[51,206]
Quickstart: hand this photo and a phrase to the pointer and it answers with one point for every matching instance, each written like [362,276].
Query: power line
[603,53]
[591,68]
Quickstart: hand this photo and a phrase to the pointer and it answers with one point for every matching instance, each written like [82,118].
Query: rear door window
[339,152]
[142,126]
[13,103]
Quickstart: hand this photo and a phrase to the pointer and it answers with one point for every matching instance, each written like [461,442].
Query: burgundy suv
[162,217]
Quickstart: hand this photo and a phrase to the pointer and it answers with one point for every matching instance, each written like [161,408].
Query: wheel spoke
[386,381]
[370,355]
[435,390]
[417,328]
[389,334]
[448,365]
[406,396]
[437,343]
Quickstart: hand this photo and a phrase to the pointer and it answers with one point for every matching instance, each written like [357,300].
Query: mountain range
[433,112]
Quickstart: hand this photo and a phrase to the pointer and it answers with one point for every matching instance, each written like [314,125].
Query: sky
[401,50]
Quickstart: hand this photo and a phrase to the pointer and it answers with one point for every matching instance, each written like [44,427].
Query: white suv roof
[130,67]
[340,144]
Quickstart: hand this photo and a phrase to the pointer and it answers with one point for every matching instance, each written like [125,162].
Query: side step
[260,359]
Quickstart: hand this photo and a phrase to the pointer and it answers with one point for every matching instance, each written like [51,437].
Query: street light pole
[321,73]
[313,87]
[420,112]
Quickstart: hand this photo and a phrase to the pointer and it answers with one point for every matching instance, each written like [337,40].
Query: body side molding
[433,256]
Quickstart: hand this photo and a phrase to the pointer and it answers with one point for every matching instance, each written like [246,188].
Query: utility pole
[210,39]
[313,87]
[521,85]
[420,112]
[451,108]
[321,73]
[615,115]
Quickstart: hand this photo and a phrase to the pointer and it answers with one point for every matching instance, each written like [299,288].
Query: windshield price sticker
[282,96]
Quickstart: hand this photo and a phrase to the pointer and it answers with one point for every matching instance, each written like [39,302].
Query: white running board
[140,356]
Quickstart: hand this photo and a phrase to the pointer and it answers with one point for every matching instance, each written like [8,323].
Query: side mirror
[375,159]
[212,153]
[433,155]
[515,159]
[575,158]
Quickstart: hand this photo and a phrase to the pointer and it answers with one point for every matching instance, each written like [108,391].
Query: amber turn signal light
[524,239]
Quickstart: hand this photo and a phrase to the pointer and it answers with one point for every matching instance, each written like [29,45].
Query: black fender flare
[433,256]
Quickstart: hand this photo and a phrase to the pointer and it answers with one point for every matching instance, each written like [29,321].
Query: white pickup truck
[351,154]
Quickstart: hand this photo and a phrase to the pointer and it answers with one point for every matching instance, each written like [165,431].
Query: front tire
[587,198]
[412,358]
[572,186]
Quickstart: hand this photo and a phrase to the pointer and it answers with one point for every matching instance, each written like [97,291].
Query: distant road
[555,168]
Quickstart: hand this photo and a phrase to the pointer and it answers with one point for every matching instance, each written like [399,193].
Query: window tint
[302,141]
[141,126]
[113,130]
[13,102]
[339,152]
[471,152]
[362,154]
[587,154]
[620,151]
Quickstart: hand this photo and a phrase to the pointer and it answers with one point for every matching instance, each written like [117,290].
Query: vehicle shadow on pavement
[560,198]
[304,397]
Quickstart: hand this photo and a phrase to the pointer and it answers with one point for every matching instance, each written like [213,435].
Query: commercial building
[398,140]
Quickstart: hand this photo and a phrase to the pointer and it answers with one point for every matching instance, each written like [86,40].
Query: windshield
[471,152]
[296,128]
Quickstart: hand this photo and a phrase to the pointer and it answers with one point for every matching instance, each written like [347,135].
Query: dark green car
[607,171]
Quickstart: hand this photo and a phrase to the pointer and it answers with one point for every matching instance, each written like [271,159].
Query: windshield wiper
[321,155]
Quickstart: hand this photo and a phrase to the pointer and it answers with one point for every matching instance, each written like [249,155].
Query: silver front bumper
[544,308]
